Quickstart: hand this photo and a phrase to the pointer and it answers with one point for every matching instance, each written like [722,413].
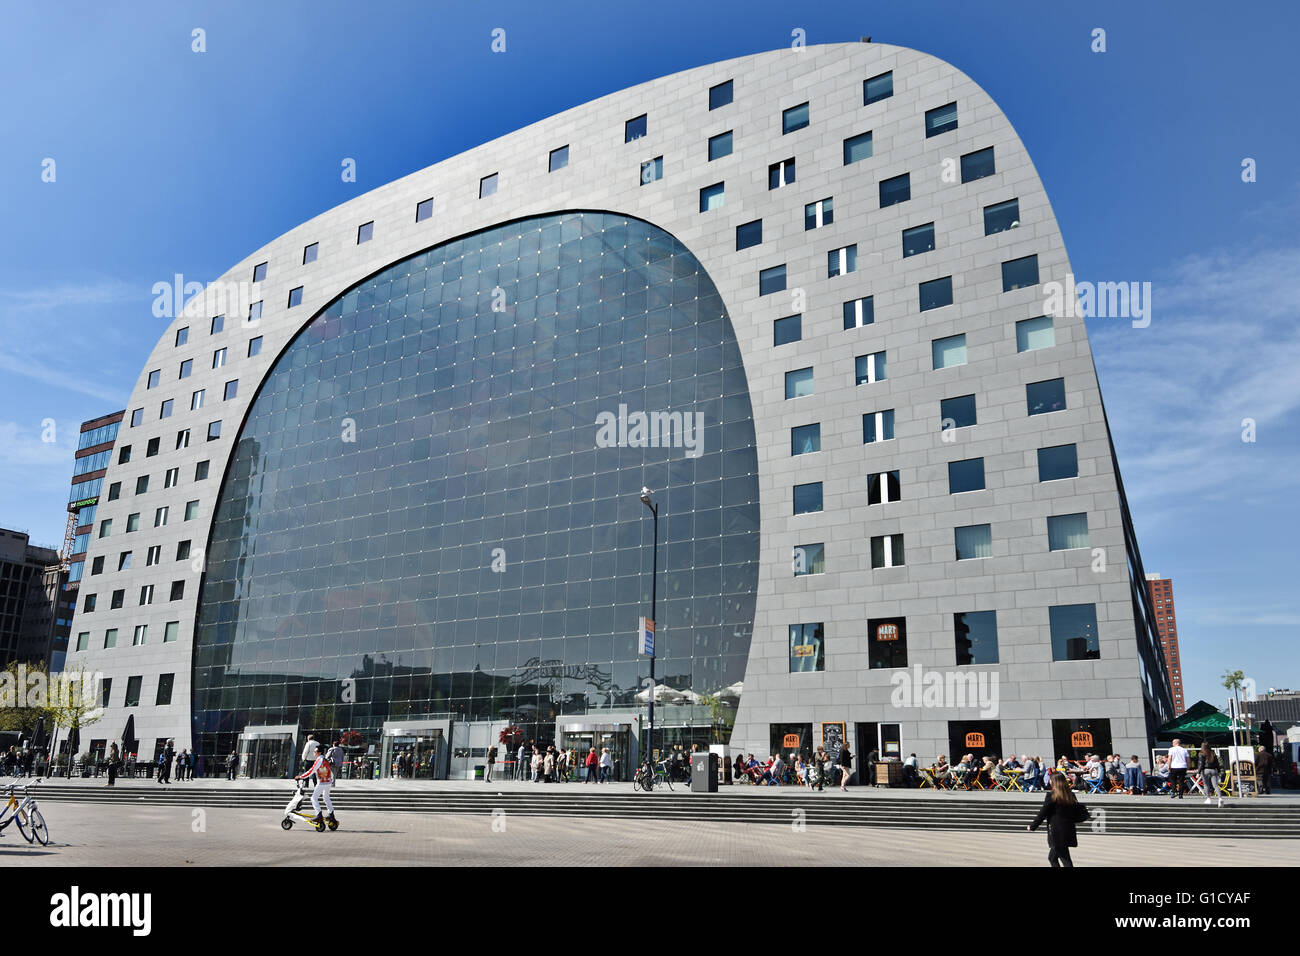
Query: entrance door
[616,738]
[419,755]
[470,741]
[265,756]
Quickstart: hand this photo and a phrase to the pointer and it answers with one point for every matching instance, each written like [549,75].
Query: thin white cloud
[69,295]
[60,372]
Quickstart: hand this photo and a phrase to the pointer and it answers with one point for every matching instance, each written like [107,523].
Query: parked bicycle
[30,822]
[647,779]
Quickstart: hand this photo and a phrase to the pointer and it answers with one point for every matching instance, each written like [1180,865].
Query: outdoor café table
[927,778]
[1014,782]
[1195,783]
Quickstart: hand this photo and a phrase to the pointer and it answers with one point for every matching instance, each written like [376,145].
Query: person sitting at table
[1032,773]
[775,771]
[801,770]
[1095,770]
[1133,776]
[1115,770]
[911,776]
[738,771]
[962,770]
[1158,778]
[1063,764]
[999,775]
[941,771]
[1011,763]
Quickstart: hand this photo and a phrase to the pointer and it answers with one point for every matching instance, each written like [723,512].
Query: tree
[23,697]
[74,703]
[1233,681]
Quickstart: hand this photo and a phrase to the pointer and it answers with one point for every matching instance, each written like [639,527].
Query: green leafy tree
[73,703]
[17,711]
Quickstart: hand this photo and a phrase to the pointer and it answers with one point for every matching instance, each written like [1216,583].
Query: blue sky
[170,162]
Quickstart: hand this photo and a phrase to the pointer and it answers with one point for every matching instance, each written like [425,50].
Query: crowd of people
[814,772]
[551,764]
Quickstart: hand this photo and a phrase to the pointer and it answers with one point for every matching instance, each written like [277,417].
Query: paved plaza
[90,834]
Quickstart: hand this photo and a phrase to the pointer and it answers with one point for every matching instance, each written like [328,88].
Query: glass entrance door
[265,756]
[415,756]
[616,740]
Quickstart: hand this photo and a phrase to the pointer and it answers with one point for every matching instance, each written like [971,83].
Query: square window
[799,383]
[218,323]
[165,411]
[365,232]
[957,412]
[171,631]
[712,197]
[1020,273]
[88,604]
[1067,532]
[214,430]
[895,190]
[424,209]
[976,637]
[948,352]
[808,498]
[634,128]
[918,239]
[1036,333]
[196,399]
[1001,216]
[218,358]
[1074,632]
[749,234]
[83,641]
[941,119]
[818,214]
[841,261]
[787,330]
[806,439]
[151,448]
[309,252]
[177,591]
[154,378]
[807,648]
[232,389]
[878,426]
[887,648]
[255,346]
[795,118]
[1044,397]
[183,547]
[965,476]
[936,293]
[973,541]
[137,418]
[295,298]
[719,145]
[809,559]
[652,170]
[182,335]
[884,487]
[1057,462]
[859,312]
[187,368]
[259,272]
[869,368]
[114,490]
[720,95]
[887,551]
[977,165]
[771,280]
[857,148]
[780,174]
[201,471]
[191,510]
[877,88]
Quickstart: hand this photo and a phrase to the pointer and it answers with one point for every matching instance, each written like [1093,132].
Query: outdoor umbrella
[128,736]
[1201,720]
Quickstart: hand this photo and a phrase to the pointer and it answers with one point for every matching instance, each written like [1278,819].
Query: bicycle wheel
[636,781]
[24,825]
[39,830]
[668,780]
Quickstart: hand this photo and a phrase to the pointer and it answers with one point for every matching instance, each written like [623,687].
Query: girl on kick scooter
[324,780]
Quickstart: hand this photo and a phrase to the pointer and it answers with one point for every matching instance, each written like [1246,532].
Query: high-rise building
[1162,603]
[30,579]
[384,475]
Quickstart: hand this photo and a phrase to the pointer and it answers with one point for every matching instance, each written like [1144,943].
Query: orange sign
[1081,738]
[804,650]
[791,741]
[887,632]
[974,739]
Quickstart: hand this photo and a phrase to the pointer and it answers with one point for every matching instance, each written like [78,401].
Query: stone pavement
[88,835]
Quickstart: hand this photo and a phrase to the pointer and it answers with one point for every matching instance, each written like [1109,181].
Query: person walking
[1207,765]
[593,765]
[521,763]
[165,768]
[114,758]
[491,759]
[606,766]
[324,774]
[820,760]
[1263,770]
[309,750]
[846,767]
[1179,761]
[335,756]
[1061,811]
[232,762]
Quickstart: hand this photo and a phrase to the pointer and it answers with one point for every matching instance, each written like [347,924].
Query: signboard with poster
[975,740]
[790,742]
[833,739]
[645,637]
[886,632]
[1081,738]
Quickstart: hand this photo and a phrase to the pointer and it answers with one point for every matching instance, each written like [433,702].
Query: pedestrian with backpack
[324,774]
[335,756]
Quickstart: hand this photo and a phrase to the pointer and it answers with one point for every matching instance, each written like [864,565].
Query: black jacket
[1060,819]
[1203,764]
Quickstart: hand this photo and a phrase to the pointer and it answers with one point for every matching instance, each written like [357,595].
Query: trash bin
[704,773]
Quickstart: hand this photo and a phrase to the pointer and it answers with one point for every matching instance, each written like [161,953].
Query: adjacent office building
[30,585]
[384,475]
[1161,592]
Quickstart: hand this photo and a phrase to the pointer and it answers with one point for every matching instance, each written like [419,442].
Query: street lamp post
[654,583]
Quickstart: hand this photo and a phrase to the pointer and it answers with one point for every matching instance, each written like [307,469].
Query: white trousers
[322,790]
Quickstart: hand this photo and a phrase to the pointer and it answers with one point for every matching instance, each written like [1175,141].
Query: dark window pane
[771,280]
[977,165]
[918,239]
[957,412]
[808,498]
[796,117]
[941,119]
[886,643]
[1043,397]
[1020,273]
[877,88]
[720,95]
[976,637]
[787,330]
[895,190]
[1001,216]
[965,475]
[749,234]
[857,148]
[936,293]
[634,128]
[1074,632]
[720,146]
[1058,461]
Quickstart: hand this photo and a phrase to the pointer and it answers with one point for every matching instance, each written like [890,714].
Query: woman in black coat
[1061,811]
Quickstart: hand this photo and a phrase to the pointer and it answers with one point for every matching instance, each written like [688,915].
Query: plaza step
[1154,816]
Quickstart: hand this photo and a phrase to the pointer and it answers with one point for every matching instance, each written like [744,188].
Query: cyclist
[324,780]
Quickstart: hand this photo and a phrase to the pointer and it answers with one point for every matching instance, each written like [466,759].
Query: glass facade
[421,519]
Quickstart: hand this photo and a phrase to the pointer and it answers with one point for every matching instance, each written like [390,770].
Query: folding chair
[1195,784]
[1116,785]
[1014,782]
[1095,786]
[927,779]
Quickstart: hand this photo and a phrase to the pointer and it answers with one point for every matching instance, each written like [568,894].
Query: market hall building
[799,295]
